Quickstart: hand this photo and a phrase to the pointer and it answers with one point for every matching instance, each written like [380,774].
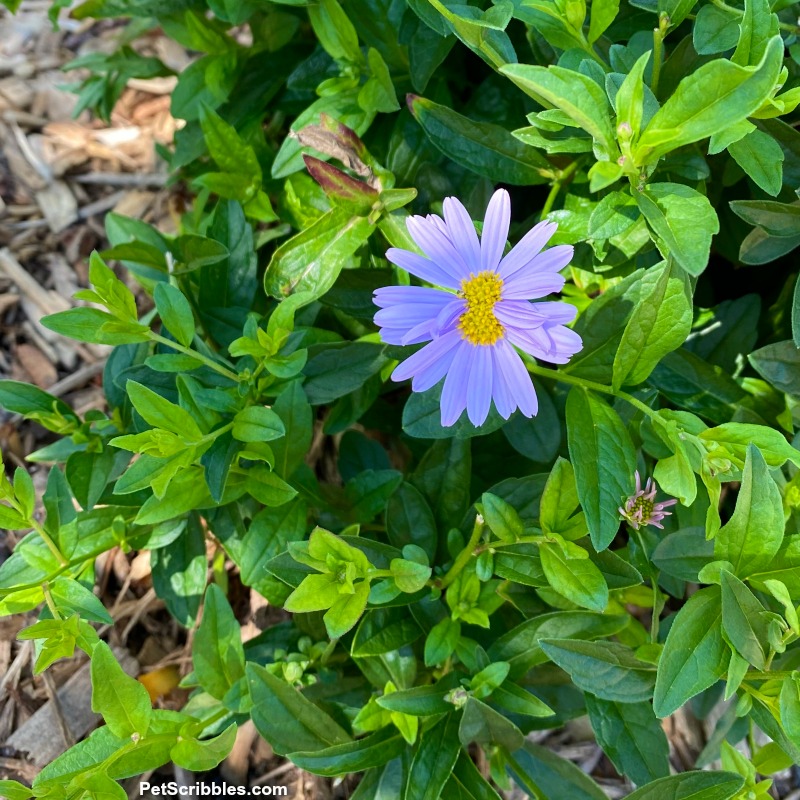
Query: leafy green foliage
[450,588]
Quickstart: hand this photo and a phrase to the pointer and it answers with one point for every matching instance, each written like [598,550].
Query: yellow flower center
[645,505]
[478,323]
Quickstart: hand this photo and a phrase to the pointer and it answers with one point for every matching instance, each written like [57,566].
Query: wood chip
[58,205]
[37,365]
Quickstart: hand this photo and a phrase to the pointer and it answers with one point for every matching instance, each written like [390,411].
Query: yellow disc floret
[478,323]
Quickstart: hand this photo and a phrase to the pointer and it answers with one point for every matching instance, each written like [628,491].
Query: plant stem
[48,597]
[197,356]
[51,545]
[658,55]
[564,377]
[755,675]
[462,559]
[562,178]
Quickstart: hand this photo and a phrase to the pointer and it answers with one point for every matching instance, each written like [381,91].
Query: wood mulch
[59,177]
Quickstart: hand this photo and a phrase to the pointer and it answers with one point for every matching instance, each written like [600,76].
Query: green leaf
[286,719]
[695,655]
[606,669]
[71,596]
[179,573]
[466,783]
[713,97]
[384,630]
[683,220]
[335,31]
[779,363]
[577,579]
[201,756]
[441,641]
[409,576]
[790,708]
[559,501]
[175,312]
[796,314]
[122,700]
[735,437]
[631,737]
[777,219]
[521,645]
[409,520]
[160,413]
[758,26]
[761,158]
[433,762]
[96,326]
[604,12]
[744,620]
[574,93]
[482,724]
[517,700]
[659,324]
[691,786]
[546,776]
[421,701]
[217,651]
[715,30]
[13,790]
[502,518]
[443,477]
[604,460]
[346,611]
[342,759]
[483,147]
[33,403]
[335,370]
[257,424]
[616,213]
[754,533]
[311,260]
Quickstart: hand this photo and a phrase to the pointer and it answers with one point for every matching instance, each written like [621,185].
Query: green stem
[462,559]
[51,545]
[48,597]
[658,56]
[756,675]
[564,377]
[197,356]
[562,178]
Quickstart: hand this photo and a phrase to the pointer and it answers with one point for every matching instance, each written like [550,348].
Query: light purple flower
[481,313]
[640,509]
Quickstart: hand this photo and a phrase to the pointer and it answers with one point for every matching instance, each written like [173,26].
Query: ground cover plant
[586,504]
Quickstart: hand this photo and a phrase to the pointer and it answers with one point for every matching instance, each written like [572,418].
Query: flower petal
[422,359]
[479,387]
[436,370]
[387,296]
[526,285]
[565,343]
[449,316]
[550,262]
[462,232]
[438,247]
[526,315]
[503,400]
[519,381]
[528,247]
[454,393]
[495,229]
[423,268]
